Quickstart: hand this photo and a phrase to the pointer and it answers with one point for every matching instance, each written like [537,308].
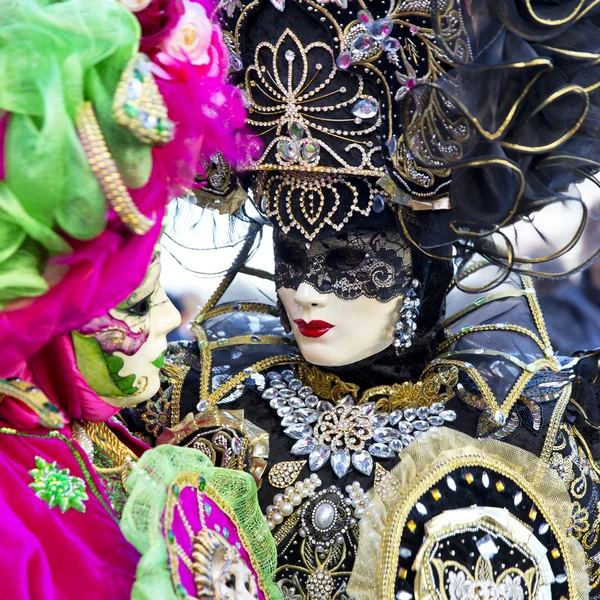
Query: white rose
[191,38]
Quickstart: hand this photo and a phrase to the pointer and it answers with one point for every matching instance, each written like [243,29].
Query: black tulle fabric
[527,94]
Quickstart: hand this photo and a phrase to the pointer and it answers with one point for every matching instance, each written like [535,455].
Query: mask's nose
[166,318]
[306,296]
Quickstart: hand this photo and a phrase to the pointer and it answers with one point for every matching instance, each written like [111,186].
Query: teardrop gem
[364,17]
[279,4]
[318,457]
[385,434]
[310,152]
[378,203]
[303,447]
[363,462]
[362,42]
[380,451]
[395,417]
[344,60]
[298,431]
[365,109]
[340,462]
[296,130]
[391,45]
[288,150]
[381,28]
[307,415]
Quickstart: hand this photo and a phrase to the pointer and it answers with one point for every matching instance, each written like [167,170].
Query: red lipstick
[314,329]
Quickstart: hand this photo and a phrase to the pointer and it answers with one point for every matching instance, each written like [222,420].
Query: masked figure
[95,141]
[412,430]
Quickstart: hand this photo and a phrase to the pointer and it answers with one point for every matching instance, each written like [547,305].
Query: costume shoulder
[512,386]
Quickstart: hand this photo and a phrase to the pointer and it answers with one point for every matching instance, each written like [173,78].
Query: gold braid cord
[106,171]
[110,445]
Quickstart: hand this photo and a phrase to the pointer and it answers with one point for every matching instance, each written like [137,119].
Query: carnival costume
[460,460]
[96,139]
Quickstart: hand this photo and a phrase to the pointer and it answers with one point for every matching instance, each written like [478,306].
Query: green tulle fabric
[54,55]
[141,522]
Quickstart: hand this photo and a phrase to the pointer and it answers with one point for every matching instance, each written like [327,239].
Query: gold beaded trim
[239,340]
[555,422]
[106,172]
[283,474]
[176,377]
[478,328]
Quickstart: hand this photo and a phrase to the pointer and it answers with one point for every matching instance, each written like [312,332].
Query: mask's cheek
[99,368]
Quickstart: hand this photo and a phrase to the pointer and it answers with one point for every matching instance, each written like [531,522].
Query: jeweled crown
[325,82]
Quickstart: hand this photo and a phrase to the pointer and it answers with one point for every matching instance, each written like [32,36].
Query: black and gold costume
[397,139]
[502,432]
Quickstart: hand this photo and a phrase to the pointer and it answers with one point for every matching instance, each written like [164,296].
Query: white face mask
[359,328]
[120,354]
[342,294]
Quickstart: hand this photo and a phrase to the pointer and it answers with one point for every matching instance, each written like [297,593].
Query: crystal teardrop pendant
[279,4]
[381,28]
[378,203]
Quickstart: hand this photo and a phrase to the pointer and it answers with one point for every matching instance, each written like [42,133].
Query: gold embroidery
[422,393]
[326,385]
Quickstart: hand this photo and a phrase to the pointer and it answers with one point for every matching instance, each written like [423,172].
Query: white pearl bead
[278,499]
[286,509]
[289,490]
[276,518]
[270,524]
[270,510]
[304,492]
[296,499]
[311,486]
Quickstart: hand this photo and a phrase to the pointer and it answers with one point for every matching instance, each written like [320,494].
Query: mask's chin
[326,357]
[148,386]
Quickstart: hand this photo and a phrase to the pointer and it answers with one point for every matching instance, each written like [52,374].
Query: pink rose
[157,19]
[191,38]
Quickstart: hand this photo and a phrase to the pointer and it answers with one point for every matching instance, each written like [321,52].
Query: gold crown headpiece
[324,82]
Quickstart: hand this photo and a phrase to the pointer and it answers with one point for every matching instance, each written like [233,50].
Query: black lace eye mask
[352,264]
